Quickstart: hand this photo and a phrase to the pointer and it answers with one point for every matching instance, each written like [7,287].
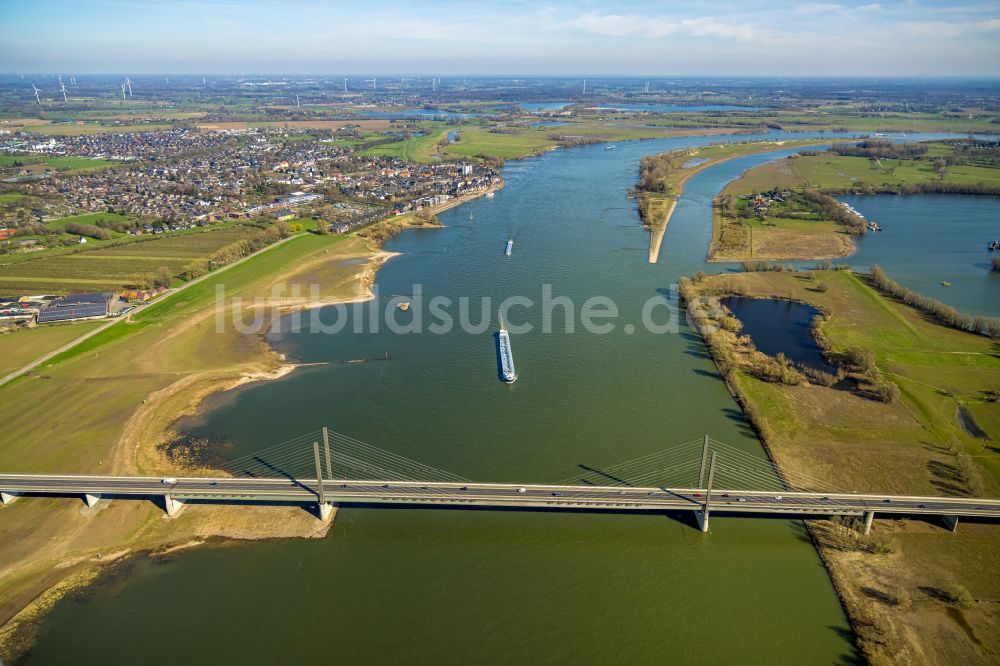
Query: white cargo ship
[507,371]
[510,247]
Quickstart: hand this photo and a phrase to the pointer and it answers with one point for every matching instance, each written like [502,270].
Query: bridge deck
[595,498]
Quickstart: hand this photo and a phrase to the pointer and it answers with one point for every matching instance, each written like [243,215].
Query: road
[170,292]
[497,495]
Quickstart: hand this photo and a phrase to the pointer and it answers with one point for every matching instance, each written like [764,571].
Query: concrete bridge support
[91,500]
[7,498]
[869,517]
[951,522]
[702,517]
[325,510]
[172,506]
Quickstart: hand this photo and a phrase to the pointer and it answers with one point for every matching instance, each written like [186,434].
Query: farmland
[21,346]
[830,171]
[72,129]
[111,268]
[414,148]
[56,162]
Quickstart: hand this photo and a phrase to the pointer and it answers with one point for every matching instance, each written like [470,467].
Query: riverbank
[142,445]
[914,591]
[780,210]
[662,179]
[383,230]
[143,374]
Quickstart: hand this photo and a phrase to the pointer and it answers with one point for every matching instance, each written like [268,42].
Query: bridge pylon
[707,506]
[325,509]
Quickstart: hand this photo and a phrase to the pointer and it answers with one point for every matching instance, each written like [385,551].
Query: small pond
[780,326]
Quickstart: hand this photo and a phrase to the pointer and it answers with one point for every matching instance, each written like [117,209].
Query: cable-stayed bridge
[324,468]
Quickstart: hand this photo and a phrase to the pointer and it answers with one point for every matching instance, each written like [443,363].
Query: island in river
[784,210]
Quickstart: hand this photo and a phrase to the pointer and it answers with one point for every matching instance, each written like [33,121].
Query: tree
[163,277]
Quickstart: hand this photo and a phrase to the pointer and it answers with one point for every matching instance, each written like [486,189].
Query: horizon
[775,39]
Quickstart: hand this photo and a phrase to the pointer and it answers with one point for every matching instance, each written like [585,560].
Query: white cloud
[633,25]
[815,8]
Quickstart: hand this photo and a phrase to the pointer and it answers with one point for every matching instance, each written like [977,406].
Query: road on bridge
[497,495]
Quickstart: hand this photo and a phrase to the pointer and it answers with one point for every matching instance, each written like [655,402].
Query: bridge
[749,485]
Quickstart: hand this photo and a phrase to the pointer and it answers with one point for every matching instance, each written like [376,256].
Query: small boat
[471,216]
[610,146]
[945,283]
[510,247]
[489,195]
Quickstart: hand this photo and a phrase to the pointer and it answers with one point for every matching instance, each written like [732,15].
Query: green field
[854,441]
[111,268]
[841,173]
[416,148]
[479,141]
[57,162]
[93,128]
[911,445]
[21,346]
[86,218]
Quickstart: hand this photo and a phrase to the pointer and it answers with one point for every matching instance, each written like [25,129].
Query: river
[421,585]
[928,239]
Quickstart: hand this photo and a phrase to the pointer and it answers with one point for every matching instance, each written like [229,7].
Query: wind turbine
[128,82]
[203,80]
[345,84]
[585,86]
[297,104]
[37,98]
[434,84]
[62,89]
[373,80]
[647,86]
[123,92]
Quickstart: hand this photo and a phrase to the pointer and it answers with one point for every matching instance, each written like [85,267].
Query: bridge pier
[90,500]
[951,522]
[325,511]
[7,498]
[172,506]
[869,517]
[702,517]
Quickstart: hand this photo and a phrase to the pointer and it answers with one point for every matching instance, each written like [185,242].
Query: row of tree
[237,250]
[939,311]
[88,230]
[879,149]
[929,187]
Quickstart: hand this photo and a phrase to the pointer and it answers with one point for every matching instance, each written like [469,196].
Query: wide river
[423,585]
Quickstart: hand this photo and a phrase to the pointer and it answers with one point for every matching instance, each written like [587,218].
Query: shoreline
[885,560]
[140,448]
[659,229]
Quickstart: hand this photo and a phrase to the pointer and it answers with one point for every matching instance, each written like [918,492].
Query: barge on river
[507,372]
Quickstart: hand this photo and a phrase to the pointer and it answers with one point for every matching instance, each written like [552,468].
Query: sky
[536,37]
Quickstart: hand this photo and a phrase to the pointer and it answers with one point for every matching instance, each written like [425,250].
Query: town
[156,183]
